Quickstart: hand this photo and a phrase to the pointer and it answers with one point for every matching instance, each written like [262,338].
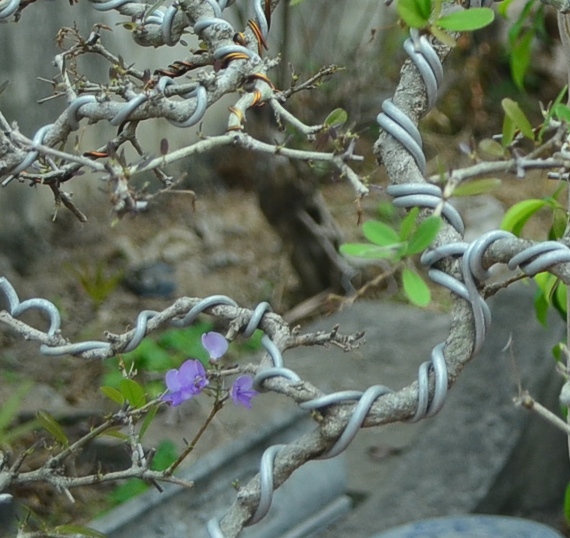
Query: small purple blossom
[215,344]
[241,391]
[189,380]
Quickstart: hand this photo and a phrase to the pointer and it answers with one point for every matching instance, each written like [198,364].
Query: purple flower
[216,345]
[186,382]
[241,391]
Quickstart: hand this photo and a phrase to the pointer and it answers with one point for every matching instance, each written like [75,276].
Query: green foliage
[468,20]
[95,283]
[126,491]
[415,13]
[48,422]
[567,504]
[551,292]
[491,147]
[561,112]
[477,187]
[147,421]
[515,119]
[395,245]
[426,15]
[527,26]
[165,455]
[552,112]
[415,288]
[520,213]
[132,392]
[113,394]
[156,355]
[9,412]
[380,234]
[337,118]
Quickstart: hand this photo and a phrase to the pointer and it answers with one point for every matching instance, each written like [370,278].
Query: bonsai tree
[231,59]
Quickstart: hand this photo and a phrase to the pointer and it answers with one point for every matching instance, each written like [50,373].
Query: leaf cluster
[426,15]
[386,242]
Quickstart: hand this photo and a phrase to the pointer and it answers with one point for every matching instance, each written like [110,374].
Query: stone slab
[481,453]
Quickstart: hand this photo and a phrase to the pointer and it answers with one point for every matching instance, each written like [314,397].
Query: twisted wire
[393,119]
[111,4]
[534,259]
[540,257]
[17,307]
[165,19]
[9,9]
[31,155]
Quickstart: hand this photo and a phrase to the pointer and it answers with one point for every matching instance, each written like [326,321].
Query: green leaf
[415,288]
[550,114]
[424,236]
[541,308]
[503,7]
[132,392]
[10,408]
[129,489]
[509,130]
[116,434]
[52,426]
[380,234]
[567,504]
[476,187]
[559,299]
[150,356]
[366,250]
[513,110]
[337,118]
[543,281]
[520,58]
[415,13]
[187,341]
[561,112]
[408,224]
[166,454]
[147,421]
[491,147]
[559,224]
[79,529]
[558,351]
[17,432]
[521,23]
[467,20]
[386,211]
[442,36]
[517,216]
[294,2]
[113,394]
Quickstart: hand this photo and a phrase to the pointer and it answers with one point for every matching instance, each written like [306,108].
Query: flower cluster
[191,378]
[182,384]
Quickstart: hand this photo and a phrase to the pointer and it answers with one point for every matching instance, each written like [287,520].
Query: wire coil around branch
[9,9]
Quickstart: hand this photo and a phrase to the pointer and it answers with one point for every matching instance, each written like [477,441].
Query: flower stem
[216,407]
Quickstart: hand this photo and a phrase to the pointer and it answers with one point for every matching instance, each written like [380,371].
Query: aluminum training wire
[395,122]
